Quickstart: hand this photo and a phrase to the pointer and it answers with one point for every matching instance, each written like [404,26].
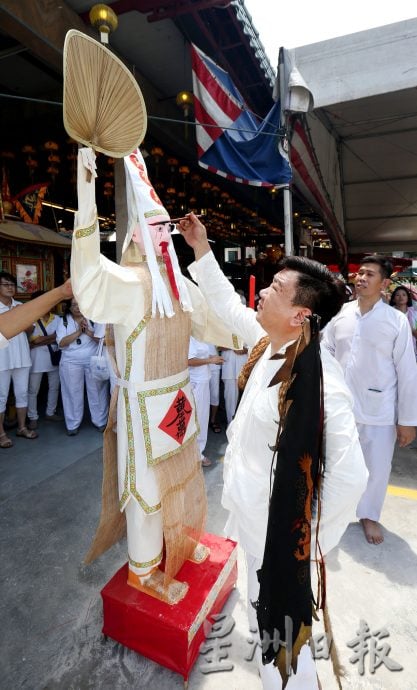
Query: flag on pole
[29,202]
[231,141]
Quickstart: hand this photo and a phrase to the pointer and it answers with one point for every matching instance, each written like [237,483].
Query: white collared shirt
[17,355]
[248,457]
[199,350]
[375,351]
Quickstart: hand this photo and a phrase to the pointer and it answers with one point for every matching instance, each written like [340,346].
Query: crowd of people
[208,366]
[59,347]
[327,379]
[369,400]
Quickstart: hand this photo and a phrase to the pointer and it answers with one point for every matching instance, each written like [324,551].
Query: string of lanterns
[180,188]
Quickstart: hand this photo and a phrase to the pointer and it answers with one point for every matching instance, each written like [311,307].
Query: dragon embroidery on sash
[303,524]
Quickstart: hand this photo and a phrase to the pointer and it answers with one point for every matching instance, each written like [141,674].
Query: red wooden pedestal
[172,635]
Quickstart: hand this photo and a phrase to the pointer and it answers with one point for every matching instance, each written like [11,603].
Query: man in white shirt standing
[299,290]
[200,358]
[233,363]
[372,342]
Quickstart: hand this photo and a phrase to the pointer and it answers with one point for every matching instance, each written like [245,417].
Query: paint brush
[175,220]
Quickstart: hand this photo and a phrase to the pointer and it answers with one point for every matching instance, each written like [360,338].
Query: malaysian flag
[231,141]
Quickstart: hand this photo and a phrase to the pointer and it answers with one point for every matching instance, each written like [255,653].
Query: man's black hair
[67,306]
[8,276]
[317,288]
[385,266]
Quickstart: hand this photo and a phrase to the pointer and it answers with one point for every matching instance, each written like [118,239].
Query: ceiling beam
[164,9]
[398,178]
[40,27]
[377,135]
[385,217]
[178,8]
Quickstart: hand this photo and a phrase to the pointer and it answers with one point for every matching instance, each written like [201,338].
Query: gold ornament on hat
[103,105]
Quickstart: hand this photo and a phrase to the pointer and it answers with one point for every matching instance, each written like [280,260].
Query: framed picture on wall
[232,254]
[250,252]
[28,274]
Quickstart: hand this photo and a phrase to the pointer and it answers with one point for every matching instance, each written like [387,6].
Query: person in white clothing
[15,365]
[231,367]
[42,342]
[199,361]
[401,299]
[14,322]
[300,289]
[373,344]
[214,392]
[78,339]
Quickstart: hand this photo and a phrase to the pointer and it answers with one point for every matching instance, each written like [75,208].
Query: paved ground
[50,605]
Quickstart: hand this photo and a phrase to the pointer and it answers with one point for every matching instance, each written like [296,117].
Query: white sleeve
[105,291]
[192,349]
[3,341]
[55,323]
[345,473]
[224,301]
[99,330]
[61,331]
[327,338]
[406,368]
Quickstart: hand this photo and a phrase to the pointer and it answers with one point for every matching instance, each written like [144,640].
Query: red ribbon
[251,301]
[170,271]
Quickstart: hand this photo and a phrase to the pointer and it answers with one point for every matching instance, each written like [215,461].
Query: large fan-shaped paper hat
[103,105]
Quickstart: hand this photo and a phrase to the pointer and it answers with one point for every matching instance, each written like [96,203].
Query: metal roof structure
[364,88]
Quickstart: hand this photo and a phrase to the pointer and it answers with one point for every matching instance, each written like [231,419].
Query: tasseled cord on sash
[321,597]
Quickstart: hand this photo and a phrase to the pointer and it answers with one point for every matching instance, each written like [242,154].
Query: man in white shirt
[373,343]
[302,288]
[200,359]
[233,363]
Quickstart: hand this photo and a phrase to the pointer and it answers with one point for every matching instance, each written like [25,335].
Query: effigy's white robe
[121,295]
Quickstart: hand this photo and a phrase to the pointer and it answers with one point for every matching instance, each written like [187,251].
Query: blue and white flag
[231,141]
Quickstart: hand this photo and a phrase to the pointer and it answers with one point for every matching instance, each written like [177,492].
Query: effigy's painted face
[159,230]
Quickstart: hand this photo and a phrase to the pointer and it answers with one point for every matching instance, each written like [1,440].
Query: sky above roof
[320,20]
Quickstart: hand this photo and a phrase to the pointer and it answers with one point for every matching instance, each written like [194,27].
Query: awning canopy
[35,234]
[362,130]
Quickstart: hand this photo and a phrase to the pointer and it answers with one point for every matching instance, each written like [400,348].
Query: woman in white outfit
[43,334]
[14,366]
[78,339]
